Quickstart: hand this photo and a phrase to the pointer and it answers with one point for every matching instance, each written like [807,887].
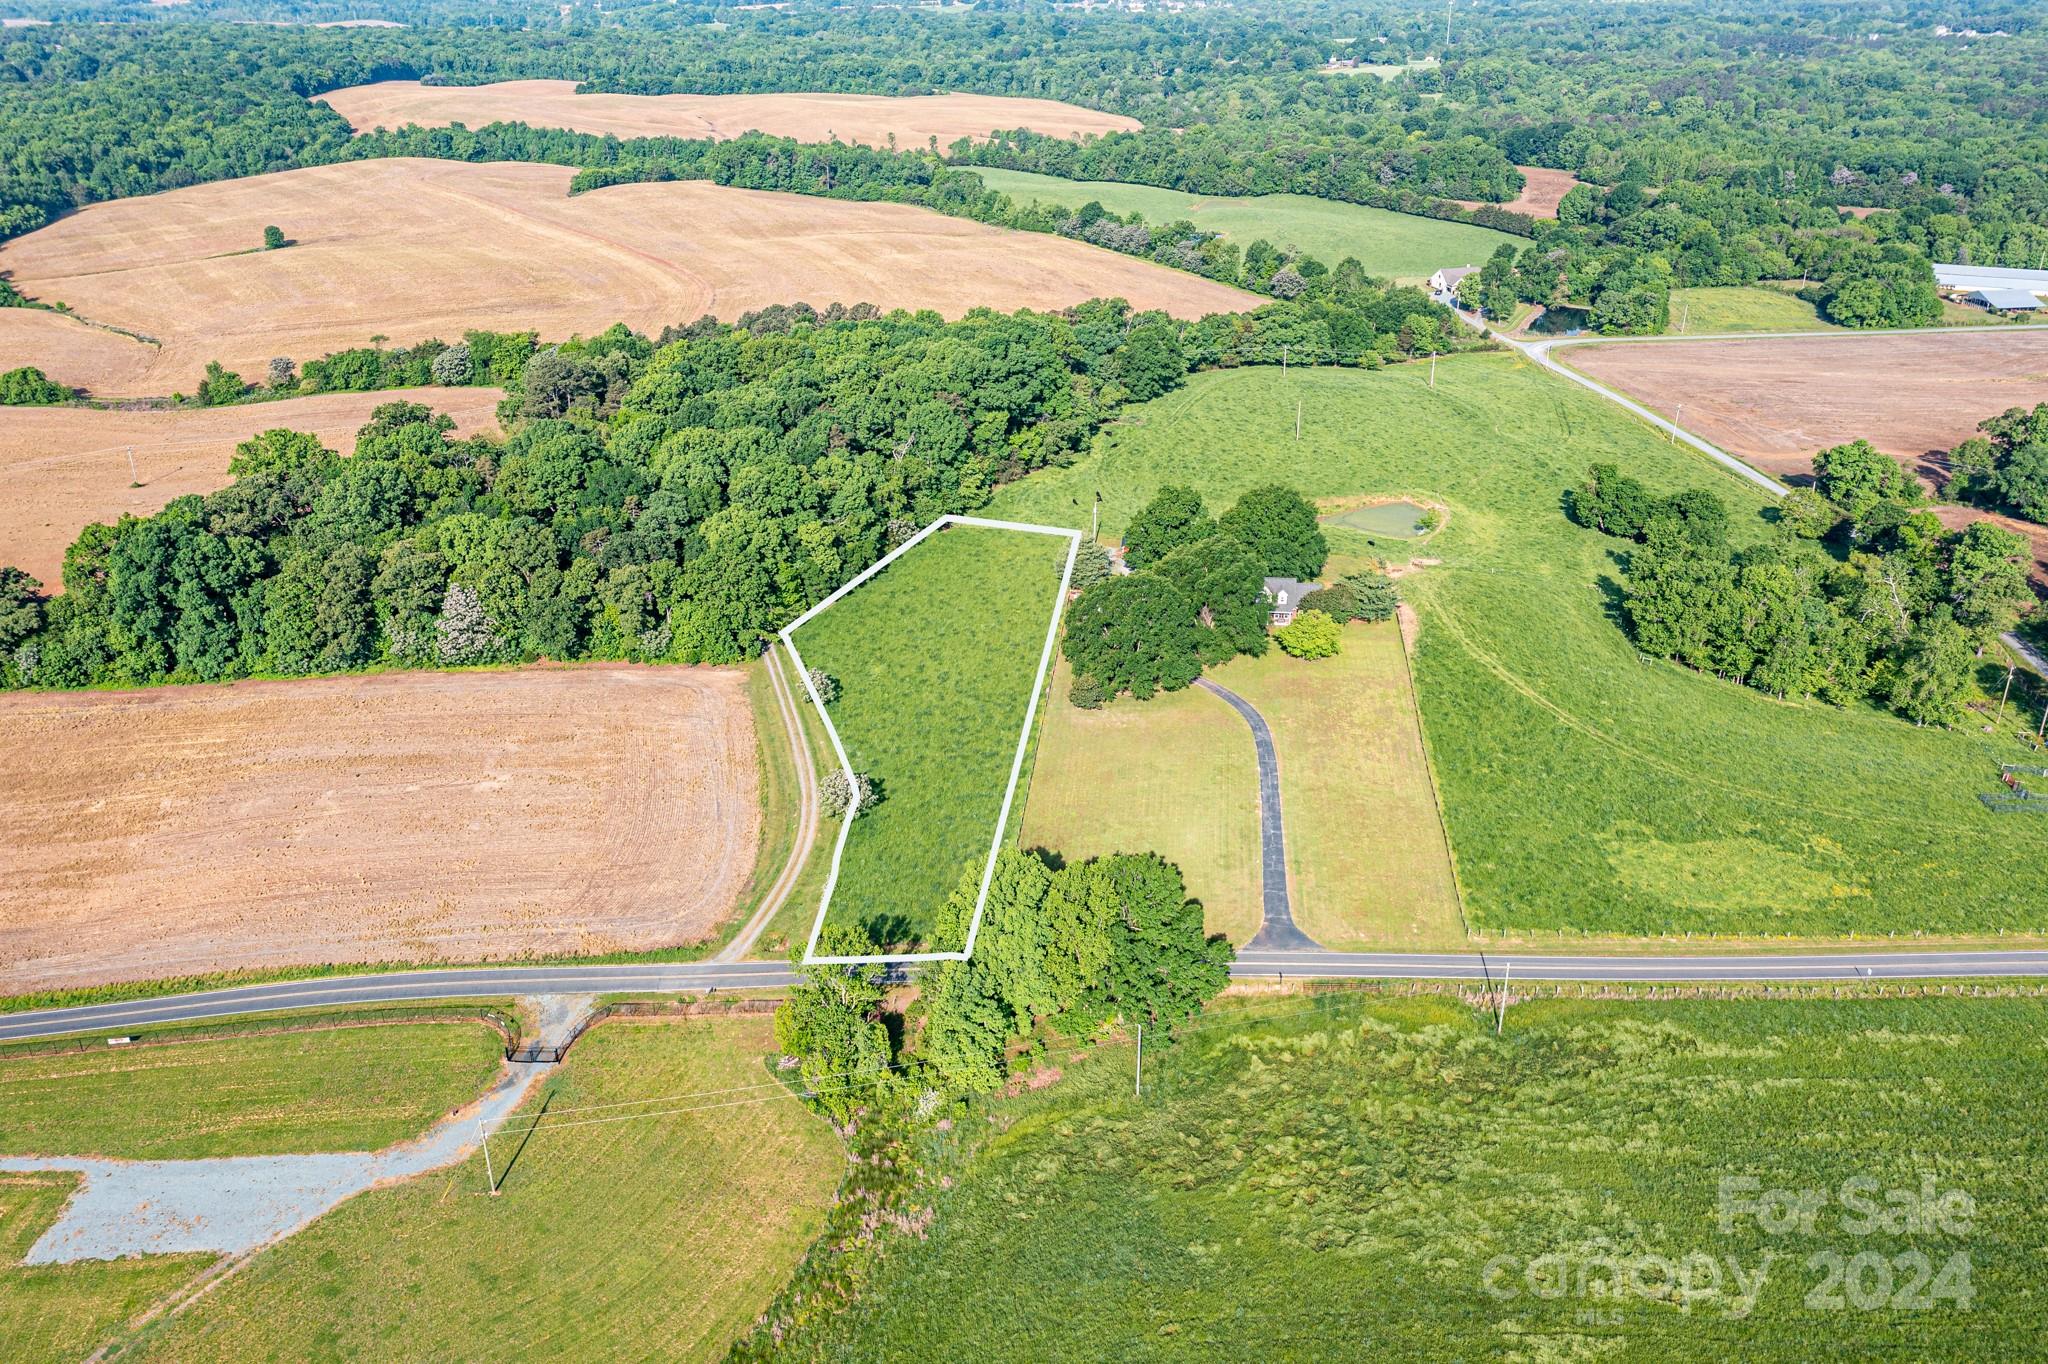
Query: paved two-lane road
[698,977]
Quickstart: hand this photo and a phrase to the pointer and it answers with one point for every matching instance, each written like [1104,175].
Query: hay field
[398,817]
[412,248]
[71,352]
[1779,401]
[868,119]
[63,468]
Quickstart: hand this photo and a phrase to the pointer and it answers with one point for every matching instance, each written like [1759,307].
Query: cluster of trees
[2006,468]
[566,373]
[1195,595]
[1897,614]
[1075,949]
[653,502]
[1619,253]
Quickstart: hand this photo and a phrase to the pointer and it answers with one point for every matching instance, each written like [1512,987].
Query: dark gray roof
[1288,592]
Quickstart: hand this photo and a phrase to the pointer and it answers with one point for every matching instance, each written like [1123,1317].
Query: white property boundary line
[788,635]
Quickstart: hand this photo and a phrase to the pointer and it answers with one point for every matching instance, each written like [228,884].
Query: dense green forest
[676,498]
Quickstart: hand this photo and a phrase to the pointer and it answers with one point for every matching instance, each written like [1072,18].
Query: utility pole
[1684,318]
[1500,1016]
[1095,518]
[1448,5]
[1297,419]
[1432,369]
[1676,418]
[2009,669]
[1283,357]
[1138,1079]
[134,478]
[484,1138]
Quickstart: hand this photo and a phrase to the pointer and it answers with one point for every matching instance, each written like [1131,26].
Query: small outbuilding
[2005,300]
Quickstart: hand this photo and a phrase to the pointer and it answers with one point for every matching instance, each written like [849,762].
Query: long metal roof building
[1966,277]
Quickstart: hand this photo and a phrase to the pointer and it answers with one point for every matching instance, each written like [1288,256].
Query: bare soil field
[1779,402]
[1542,191]
[73,353]
[868,119]
[63,468]
[412,249]
[398,817]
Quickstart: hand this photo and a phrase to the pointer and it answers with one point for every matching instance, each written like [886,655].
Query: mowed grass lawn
[1399,246]
[1374,1180]
[1366,859]
[1585,788]
[654,1237]
[935,657]
[1708,311]
[1175,775]
[327,1089]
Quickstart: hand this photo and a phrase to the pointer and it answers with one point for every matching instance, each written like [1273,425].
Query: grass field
[1585,789]
[935,658]
[1706,311]
[1174,775]
[1385,1174]
[1399,246]
[62,1312]
[659,1235]
[329,1089]
[1367,865]
[872,120]
[410,249]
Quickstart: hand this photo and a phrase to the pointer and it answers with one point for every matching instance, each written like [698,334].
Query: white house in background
[1284,595]
[1443,285]
[2001,289]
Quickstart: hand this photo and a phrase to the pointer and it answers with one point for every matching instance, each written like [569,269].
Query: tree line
[675,498]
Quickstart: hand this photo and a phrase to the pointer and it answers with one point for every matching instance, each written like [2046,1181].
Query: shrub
[1311,634]
[1373,595]
[453,367]
[824,684]
[273,238]
[1087,693]
[1091,565]
[30,387]
[464,633]
[220,385]
[838,796]
[280,374]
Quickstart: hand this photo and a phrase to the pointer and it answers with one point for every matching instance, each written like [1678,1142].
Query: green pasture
[1399,246]
[330,1088]
[1387,1179]
[661,1234]
[1587,789]
[1709,311]
[935,657]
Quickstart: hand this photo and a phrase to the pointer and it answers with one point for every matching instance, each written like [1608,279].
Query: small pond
[1397,520]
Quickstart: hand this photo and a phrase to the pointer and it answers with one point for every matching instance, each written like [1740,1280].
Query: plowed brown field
[412,249]
[63,468]
[1778,402]
[868,119]
[1542,190]
[401,817]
